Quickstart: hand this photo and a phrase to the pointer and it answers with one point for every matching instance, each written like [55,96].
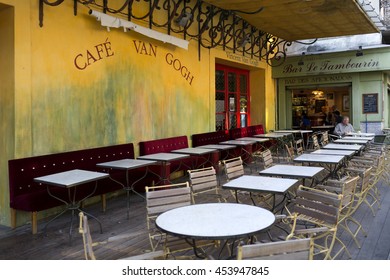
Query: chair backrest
[296,249]
[87,239]
[203,181]
[160,199]
[347,187]
[364,173]
[322,206]
[325,138]
[163,198]
[234,168]
[266,156]
[316,145]
[290,151]
[299,147]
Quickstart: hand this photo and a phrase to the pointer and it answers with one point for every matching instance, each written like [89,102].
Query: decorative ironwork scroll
[210,26]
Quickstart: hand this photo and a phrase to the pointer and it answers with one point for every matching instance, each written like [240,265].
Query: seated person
[337,117]
[344,127]
[305,122]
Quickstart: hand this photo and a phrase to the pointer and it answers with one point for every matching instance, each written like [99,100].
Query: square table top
[334,152]
[368,138]
[343,147]
[71,178]
[353,141]
[272,135]
[194,151]
[261,184]
[317,158]
[164,156]
[287,131]
[323,127]
[258,140]
[292,171]
[238,142]
[126,164]
[217,147]
[362,134]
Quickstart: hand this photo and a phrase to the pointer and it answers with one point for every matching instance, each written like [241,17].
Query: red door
[231,97]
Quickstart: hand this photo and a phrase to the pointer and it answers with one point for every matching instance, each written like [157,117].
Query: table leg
[130,188]
[72,206]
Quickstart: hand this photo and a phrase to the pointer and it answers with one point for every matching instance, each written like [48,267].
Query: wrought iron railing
[193,19]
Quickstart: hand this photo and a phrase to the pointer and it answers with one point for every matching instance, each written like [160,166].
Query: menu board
[370,103]
[319,104]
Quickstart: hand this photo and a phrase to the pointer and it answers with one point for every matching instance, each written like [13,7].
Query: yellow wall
[129,91]
[7,90]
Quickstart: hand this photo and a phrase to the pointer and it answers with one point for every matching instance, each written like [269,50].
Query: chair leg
[104,202]
[355,233]
[13,218]
[34,222]
[343,248]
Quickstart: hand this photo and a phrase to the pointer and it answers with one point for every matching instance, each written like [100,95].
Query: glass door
[231,97]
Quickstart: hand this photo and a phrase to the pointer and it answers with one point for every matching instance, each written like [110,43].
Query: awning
[303,19]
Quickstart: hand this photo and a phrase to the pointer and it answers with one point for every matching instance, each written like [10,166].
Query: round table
[215,221]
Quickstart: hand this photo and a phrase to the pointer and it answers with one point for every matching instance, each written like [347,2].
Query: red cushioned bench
[246,131]
[27,195]
[208,138]
[167,145]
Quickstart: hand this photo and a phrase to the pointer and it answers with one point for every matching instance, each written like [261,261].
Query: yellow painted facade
[78,86]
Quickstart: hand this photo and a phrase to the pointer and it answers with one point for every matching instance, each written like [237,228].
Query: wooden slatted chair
[296,249]
[314,144]
[89,244]
[325,138]
[321,210]
[204,182]
[234,168]
[346,187]
[299,149]
[376,174]
[266,158]
[290,152]
[163,198]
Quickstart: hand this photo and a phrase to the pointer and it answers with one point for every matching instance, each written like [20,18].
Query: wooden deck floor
[55,245]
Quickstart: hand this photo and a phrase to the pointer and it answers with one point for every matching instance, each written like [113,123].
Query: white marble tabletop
[323,127]
[306,131]
[164,156]
[218,147]
[343,147]
[362,134]
[272,135]
[258,140]
[333,152]
[287,131]
[292,171]
[126,164]
[353,141]
[368,138]
[194,151]
[261,184]
[215,221]
[238,142]
[71,178]
[317,158]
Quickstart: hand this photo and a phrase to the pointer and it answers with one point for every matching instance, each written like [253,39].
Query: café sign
[318,65]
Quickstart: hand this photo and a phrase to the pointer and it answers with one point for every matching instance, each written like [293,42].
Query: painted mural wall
[78,85]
